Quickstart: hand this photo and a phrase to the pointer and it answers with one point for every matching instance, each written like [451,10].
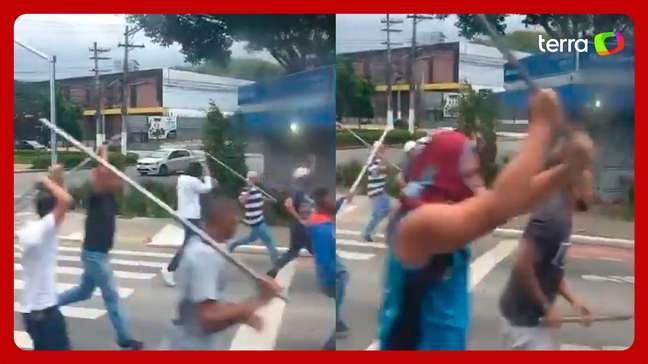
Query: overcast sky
[356,32]
[69,36]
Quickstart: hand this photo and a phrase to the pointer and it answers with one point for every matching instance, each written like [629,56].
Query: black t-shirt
[548,229]
[304,206]
[100,222]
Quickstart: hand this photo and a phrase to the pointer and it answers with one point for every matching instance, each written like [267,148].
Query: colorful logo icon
[601,48]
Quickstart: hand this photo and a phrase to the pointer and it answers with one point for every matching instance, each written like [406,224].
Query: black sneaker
[341,330]
[368,238]
[272,273]
[329,345]
[132,345]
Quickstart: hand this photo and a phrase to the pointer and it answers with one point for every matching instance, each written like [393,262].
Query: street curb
[575,239]
[30,171]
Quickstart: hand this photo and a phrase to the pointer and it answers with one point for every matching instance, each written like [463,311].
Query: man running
[39,243]
[332,276]
[203,312]
[190,186]
[376,180]
[538,275]
[97,243]
[300,206]
[427,308]
[441,227]
[252,199]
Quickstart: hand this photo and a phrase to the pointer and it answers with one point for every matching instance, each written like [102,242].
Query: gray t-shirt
[549,230]
[200,277]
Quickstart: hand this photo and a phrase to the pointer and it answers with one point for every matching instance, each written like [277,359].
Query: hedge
[343,138]
[72,159]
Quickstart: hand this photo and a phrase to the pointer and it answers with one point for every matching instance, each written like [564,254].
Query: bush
[343,138]
[72,159]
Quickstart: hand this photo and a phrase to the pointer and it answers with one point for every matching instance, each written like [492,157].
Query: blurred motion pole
[52,78]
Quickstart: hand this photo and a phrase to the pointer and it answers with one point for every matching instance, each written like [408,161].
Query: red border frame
[13,11]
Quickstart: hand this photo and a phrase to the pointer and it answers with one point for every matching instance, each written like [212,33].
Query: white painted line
[375,345]
[132,263]
[353,255]
[62,287]
[260,249]
[23,341]
[581,239]
[74,312]
[589,257]
[246,338]
[75,236]
[362,244]
[575,347]
[78,271]
[481,266]
[116,252]
[615,279]
[615,347]
[170,235]
[356,233]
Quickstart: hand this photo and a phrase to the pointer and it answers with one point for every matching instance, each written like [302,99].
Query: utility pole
[99,118]
[125,92]
[413,89]
[388,29]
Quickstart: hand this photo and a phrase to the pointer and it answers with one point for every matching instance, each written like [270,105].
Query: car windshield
[159,154]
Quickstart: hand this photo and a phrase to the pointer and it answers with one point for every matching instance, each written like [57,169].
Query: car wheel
[163,171]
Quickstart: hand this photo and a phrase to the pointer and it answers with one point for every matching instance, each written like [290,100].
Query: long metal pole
[195,229]
[52,72]
[370,159]
[601,318]
[359,138]
[238,175]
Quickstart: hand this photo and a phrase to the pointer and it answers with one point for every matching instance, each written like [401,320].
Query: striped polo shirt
[253,206]
[376,178]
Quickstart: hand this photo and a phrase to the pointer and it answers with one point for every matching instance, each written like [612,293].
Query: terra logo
[581,45]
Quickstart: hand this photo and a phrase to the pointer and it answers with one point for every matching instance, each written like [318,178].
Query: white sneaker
[168,277]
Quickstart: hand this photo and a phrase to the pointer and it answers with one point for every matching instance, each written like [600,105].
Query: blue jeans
[98,273]
[257,232]
[47,329]
[338,292]
[380,210]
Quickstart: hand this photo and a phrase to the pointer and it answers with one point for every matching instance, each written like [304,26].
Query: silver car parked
[165,161]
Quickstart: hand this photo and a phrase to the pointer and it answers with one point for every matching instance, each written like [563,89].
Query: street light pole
[52,73]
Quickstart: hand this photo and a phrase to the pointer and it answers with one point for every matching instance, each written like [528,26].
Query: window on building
[133,96]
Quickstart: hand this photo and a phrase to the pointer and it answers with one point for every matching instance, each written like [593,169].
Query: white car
[166,161]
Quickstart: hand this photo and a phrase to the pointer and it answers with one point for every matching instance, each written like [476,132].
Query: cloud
[69,37]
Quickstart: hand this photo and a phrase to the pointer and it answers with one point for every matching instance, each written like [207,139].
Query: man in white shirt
[203,312]
[190,186]
[39,243]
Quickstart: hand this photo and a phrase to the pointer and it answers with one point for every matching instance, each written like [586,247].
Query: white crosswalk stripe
[78,271]
[74,312]
[133,263]
[19,284]
[116,252]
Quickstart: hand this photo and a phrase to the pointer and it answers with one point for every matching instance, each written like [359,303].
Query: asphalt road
[603,277]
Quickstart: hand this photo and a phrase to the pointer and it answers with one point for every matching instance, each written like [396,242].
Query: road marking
[132,263]
[588,257]
[23,340]
[615,279]
[79,271]
[375,345]
[583,239]
[74,312]
[169,235]
[362,244]
[246,338]
[615,347]
[19,284]
[355,233]
[575,347]
[481,266]
[116,252]
[353,255]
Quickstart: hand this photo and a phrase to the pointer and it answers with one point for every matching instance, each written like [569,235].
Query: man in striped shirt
[376,179]
[252,200]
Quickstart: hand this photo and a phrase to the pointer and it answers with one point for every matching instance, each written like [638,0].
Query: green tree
[519,40]
[477,119]
[32,98]
[296,41]
[224,140]
[243,68]
[352,92]
[555,25]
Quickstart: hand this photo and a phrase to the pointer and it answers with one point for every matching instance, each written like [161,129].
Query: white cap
[252,174]
[301,172]
[409,146]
